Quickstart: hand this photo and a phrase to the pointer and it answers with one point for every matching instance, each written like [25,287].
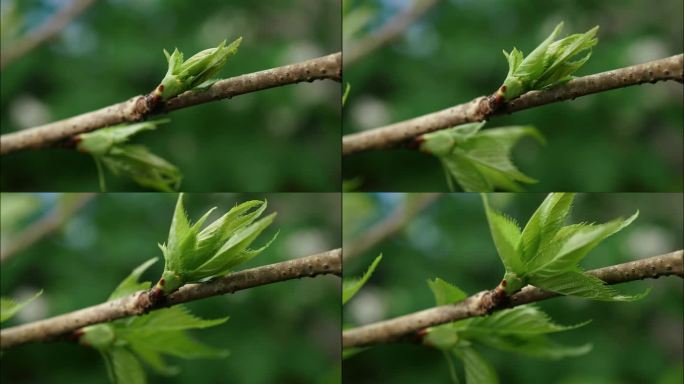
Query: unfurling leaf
[479,161]
[547,65]
[192,255]
[185,75]
[546,253]
[108,147]
[351,285]
[124,342]
[522,330]
[9,307]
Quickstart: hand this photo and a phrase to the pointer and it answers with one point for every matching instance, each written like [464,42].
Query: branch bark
[388,32]
[481,108]
[483,303]
[139,107]
[44,32]
[139,303]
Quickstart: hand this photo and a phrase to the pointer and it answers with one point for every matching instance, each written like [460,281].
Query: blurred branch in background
[137,108]
[390,225]
[48,30]
[139,303]
[49,223]
[391,30]
[481,108]
[483,303]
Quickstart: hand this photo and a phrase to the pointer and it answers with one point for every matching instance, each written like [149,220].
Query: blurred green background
[280,333]
[283,139]
[628,139]
[639,342]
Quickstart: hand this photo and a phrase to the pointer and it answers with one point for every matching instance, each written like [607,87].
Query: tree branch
[139,303]
[390,225]
[481,108]
[44,226]
[485,302]
[139,107]
[388,32]
[44,32]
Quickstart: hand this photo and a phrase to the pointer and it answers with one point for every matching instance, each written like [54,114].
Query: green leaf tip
[479,161]
[193,254]
[351,285]
[546,253]
[10,307]
[547,65]
[185,75]
[109,147]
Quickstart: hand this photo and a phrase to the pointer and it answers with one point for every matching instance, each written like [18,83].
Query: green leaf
[176,318]
[546,221]
[506,235]
[548,65]
[578,283]
[538,346]
[477,369]
[351,285]
[571,244]
[521,321]
[479,161]
[130,284]
[9,307]
[345,95]
[445,293]
[123,367]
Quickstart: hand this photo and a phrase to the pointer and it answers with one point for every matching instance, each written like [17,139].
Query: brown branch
[390,225]
[44,226]
[139,107]
[44,32]
[388,32]
[481,108]
[139,303]
[485,302]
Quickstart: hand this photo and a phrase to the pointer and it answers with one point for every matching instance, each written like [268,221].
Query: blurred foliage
[621,140]
[279,333]
[279,139]
[638,342]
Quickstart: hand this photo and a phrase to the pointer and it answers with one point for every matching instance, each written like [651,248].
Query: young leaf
[477,369]
[547,253]
[520,321]
[547,65]
[130,284]
[182,75]
[9,307]
[108,147]
[192,255]
[479,161]
[445,293]
[345,95]
[123,367]
[537,346]
[351,285]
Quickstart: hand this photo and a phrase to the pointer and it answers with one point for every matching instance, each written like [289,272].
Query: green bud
[99,336]
[182,75]
[442,337]
[514,283]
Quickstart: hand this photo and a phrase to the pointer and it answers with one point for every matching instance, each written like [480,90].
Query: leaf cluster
[547,65]
[124,343]
[522,330]
[185,75]
[108,147]
[479,161]
[547,253]
[194,255]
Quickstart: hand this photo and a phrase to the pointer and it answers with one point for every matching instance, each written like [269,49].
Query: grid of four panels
[356,191]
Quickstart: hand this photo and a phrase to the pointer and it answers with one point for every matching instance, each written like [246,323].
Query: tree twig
[139,107]
[390,225]
[388,32]
[44,32]
[44,226]
[482,303]
[481,108]
[139,303]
